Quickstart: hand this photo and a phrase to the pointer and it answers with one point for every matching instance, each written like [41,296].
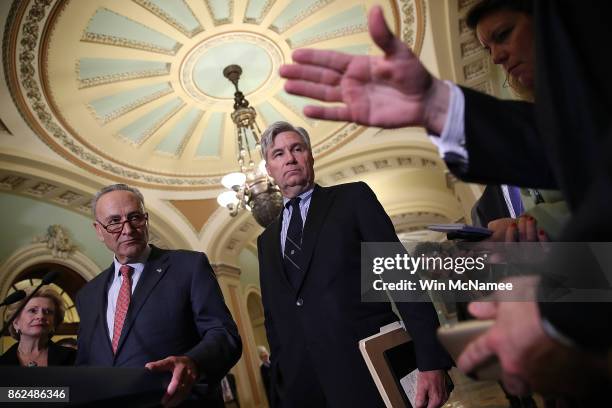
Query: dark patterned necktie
[293,243]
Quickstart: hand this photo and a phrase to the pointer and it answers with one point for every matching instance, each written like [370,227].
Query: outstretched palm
[387,91]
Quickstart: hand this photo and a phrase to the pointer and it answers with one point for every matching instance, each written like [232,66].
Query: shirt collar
[304,196]
[137,264]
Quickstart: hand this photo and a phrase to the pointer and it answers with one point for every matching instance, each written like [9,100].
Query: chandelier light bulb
[233,181]
[227,199]
[261,168]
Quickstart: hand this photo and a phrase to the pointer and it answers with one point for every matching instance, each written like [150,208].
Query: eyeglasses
[136,220]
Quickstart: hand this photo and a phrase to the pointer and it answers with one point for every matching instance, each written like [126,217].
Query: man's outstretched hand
[390,91]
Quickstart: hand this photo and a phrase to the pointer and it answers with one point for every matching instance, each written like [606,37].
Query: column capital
[225,270]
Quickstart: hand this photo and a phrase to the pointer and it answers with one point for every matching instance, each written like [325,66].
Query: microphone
[47,279]
[13,297]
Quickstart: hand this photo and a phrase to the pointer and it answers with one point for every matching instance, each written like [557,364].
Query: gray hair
[267,138]
[115,187]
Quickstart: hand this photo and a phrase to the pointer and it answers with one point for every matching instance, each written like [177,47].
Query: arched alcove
[66,284]
[256,315]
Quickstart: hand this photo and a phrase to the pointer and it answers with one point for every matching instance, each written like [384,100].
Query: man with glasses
[162,309]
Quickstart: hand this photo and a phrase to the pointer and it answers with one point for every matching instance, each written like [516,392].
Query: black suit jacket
[176,309]
[490,206]
[314,331]
[563,141]
[266,379]
[57,355]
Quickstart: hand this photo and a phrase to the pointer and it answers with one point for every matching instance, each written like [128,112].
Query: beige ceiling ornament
[126,89]
[57,240]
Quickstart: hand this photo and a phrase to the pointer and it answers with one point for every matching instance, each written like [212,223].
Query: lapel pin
[158,270]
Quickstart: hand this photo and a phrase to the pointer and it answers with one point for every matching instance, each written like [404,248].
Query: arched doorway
[67,283]
[256,316]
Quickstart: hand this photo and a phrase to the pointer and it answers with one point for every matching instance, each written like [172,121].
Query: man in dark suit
[264,369]
[309,263]
[156,308]
[563,141]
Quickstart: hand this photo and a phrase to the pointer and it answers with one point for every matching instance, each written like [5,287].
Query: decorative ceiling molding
[349,22]
[474,61]
[85,100]
[295,12]
[40,253]
[187,74]
[86,82]
[255,16]
[168,18]
[416,220]
[221,11]
[121,41]
[418,155]
[62,194]
[412,23]
[376,165]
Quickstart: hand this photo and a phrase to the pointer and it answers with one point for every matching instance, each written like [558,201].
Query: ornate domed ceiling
[134,90]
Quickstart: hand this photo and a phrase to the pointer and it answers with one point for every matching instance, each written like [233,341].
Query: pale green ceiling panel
[175,12]
[109,27]
[254,60]
[212,135]
[175,140]
[97,71]
[360,49]
[139,130]
[221,10]
[269,113]
[346,23]
[296,11]
[23,218]
[295,103]
[257,10]
[113,106]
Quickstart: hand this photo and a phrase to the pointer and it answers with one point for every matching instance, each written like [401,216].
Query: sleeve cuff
[451,142]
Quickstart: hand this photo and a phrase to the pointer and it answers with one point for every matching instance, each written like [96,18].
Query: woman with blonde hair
[33,329]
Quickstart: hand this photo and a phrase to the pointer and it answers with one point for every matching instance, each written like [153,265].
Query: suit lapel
[154,270]
[320,202]
[103,306]
[273,242]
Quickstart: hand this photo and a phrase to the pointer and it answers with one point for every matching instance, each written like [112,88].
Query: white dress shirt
[113,290]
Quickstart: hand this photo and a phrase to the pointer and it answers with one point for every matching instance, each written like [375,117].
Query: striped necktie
[293,243]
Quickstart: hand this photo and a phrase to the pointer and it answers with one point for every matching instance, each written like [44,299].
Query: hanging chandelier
[251,188]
